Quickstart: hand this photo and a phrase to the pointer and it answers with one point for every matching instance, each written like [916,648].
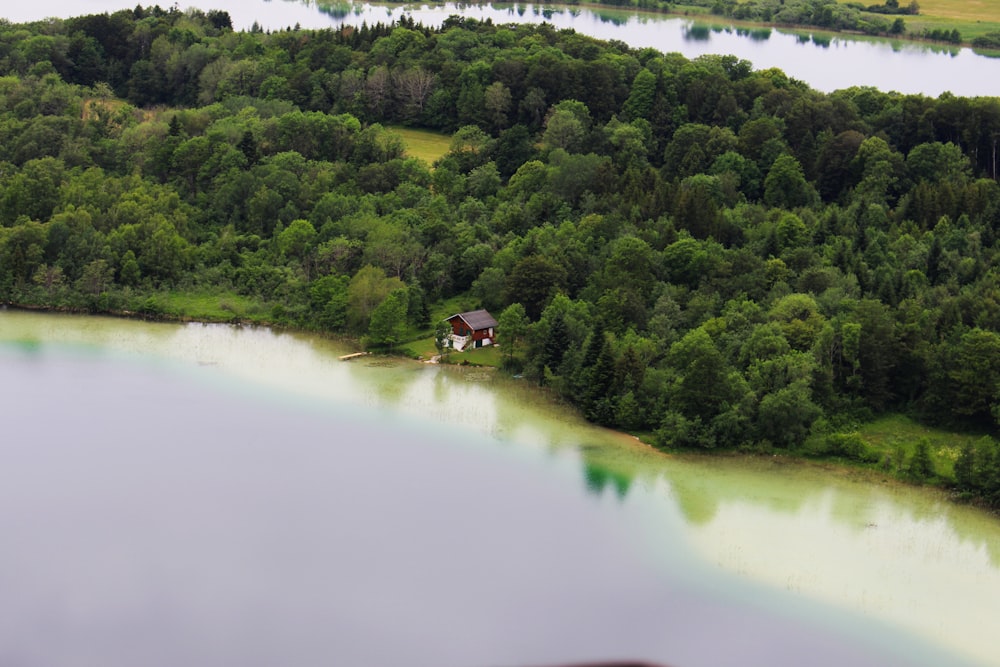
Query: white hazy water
[206,494]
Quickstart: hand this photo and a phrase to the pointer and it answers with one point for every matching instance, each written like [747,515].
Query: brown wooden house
[476,328]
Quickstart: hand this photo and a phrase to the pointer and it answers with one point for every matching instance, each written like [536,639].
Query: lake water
[215,495]
[825,61]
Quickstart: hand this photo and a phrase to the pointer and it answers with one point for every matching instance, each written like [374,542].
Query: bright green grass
[891,433]
[423,348]
[422,343]
[969,30]
[212,307]
[972,18]
[424,145]
[456,304]
[971,11]
[483,356]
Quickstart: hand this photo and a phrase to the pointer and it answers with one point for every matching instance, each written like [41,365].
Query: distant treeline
[988,41]
[826,14]
[718,256]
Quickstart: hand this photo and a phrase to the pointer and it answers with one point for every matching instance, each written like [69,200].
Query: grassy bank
[168,305]
[421,343]
[970,19]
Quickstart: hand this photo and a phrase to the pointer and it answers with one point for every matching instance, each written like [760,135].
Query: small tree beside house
[442,338]
[512,329]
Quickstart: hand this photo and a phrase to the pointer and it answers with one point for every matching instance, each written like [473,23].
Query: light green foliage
[564,130]
[368,288]
[976,373]
[442,335]
[388,320]
[328,298]
[785,185]
[512,329]
[497,100]
[799,318]
[880,168]
[640,100]
[921,466]
[936,162]
[296,240]
[703,384]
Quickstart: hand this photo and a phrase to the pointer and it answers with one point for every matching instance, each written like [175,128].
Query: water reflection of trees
[599,478]
[507,409]
[697,33]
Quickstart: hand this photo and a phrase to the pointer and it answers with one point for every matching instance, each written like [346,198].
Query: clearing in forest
[425,145]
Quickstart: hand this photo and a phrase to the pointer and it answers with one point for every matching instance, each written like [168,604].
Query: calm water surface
[213,495]
[826,62]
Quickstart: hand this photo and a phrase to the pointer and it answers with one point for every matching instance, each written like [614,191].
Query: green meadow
[425,145]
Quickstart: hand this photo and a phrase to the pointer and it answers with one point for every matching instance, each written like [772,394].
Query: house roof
[476,319]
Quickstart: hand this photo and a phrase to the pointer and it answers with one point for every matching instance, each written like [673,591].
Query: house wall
[460,329]
[483,334]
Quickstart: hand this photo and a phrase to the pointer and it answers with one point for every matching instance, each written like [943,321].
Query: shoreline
[704,14]
[839,467]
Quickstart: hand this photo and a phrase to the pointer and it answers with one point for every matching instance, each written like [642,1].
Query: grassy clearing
[212,307]
[972,11]
[972,19]
[892,434]
[422,348]
[484,356]
[424,145]
[422,343]
[456,304]
[969,30]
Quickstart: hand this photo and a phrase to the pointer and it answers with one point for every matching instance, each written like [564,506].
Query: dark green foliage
[921,468]
[942,35]
[328,299]
[990,40]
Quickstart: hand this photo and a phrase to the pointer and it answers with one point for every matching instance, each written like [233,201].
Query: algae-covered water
[215,495]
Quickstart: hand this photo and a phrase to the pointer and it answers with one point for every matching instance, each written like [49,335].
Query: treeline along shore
[709,255]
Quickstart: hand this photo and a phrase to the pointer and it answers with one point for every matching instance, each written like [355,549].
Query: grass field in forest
[207,307]
[963,10]
[425,145]
[895,434]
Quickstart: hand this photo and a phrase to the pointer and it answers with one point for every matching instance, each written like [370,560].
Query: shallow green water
[205,494]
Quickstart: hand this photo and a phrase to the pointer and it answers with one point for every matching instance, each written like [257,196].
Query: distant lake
[210,495]
[826,61]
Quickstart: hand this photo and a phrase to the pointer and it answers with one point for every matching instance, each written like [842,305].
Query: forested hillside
[718,255]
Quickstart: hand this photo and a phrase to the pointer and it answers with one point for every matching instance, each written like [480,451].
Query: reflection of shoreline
[907,67]
[618,15]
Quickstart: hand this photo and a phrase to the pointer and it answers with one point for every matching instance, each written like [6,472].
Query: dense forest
[718,256]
